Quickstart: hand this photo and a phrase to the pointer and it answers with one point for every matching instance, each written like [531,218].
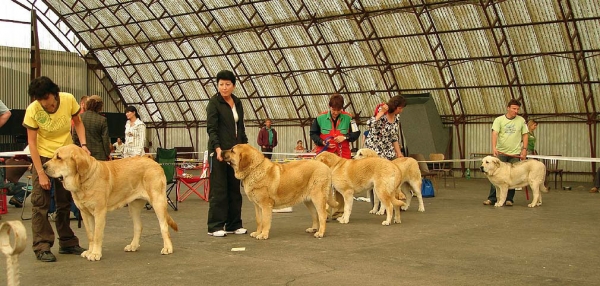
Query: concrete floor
[457,241]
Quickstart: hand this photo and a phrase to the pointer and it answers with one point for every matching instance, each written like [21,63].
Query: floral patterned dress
[382,135]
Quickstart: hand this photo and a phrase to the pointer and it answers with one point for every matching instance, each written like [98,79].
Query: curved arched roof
[472,56]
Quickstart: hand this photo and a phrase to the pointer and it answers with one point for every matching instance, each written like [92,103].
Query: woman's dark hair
[336,101]
[94,103]
[133,109]
[395,102]
[226,75]
[41,86]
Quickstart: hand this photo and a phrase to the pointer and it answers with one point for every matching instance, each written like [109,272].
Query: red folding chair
[199,185]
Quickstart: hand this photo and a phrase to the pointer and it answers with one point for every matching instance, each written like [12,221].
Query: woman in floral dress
[383,129]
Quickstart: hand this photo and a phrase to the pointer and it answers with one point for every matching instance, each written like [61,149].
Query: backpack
[427,188]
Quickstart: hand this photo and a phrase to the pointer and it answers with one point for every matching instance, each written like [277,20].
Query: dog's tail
[543,188]
[398,202]
[172,223]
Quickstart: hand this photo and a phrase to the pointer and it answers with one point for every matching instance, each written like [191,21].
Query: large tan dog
[356,176]
[99,187]
[271,185]
[509,176]
[410,180]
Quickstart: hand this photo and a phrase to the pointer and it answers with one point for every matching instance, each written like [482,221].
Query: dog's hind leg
[164,220]
[537,197]
[416,187]
[135,210]
[313,214]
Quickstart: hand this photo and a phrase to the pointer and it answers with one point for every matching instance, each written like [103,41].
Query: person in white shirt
[118,146]
[135,133]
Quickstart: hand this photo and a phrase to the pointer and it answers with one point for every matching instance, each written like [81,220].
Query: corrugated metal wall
[67,70]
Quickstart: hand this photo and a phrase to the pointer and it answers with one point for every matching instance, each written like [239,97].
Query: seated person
[9,179]
[299,147]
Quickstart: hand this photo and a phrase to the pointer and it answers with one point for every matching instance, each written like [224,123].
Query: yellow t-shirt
[53,129]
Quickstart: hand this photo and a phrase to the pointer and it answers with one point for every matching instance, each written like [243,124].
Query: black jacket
[220,125]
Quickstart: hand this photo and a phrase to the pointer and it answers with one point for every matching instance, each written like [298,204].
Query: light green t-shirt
[510,134]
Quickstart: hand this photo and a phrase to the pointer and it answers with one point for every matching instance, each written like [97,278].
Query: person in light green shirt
[509,143]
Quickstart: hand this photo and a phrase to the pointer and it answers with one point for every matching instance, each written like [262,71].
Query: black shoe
[72,250]
[45,256]
[15,202]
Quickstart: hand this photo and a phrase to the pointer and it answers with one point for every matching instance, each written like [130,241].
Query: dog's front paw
[342,220]
[380,212]
[262,236]
[498,205]
[131,248]
[397,221]
[92,256]
[372,211]
[254,234]
[385,222]
[311,230]
[421,208]
[166,250]
[531,205]
[319,234]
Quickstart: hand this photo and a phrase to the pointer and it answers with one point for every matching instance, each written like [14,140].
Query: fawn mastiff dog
[508,176]
[272,185]
[102,186]
[356,176]
[410,180]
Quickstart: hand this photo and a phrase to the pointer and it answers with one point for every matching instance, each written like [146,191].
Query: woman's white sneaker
[238,231]
[218,233]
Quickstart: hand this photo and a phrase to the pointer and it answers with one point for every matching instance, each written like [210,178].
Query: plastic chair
[193,183]
[166,159]
[552,168]
[441,167]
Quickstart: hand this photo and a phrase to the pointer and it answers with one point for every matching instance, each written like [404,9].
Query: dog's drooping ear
[81,161]
[243,162]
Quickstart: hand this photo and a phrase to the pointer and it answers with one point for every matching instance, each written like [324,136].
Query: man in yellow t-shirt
[48,123]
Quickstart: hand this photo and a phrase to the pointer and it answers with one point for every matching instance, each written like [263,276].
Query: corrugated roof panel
[479,44]
[513,12]
[290,36]
[246,42]
[307,84]
[303,58]
[592,38]
[258,63]
[469,16]
[541,10]
[181,70]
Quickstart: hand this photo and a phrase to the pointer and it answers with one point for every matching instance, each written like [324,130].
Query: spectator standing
[96,129]
[47,120]
[267,139]
[135,133]
[225,128]
[509,143]
[531,126]
[383,129]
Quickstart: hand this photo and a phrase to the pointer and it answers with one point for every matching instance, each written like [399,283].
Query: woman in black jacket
[225,127]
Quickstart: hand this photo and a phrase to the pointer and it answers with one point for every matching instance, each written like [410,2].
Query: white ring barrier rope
[12,251]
